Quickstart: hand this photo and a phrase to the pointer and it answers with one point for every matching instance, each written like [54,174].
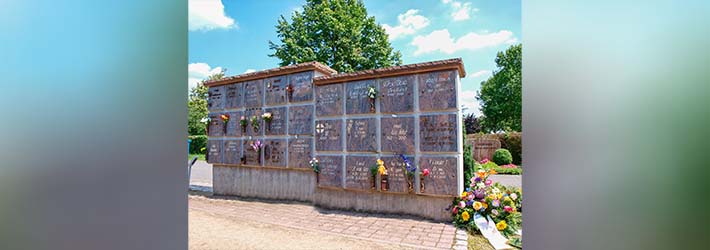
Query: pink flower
[489,182]
[508,209]
[462,204]
[470,197]
[484,161]
[496,203]
[425,172]
[494,212]
[513,196]
[455,210]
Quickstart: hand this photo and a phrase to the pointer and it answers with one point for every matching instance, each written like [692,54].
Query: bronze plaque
[329,100]
[357,172]
[232,151]
[252,155]
[437,91]
[215,98]
[275,152]
[215,127]
[214,151]
[361,135]
[328,135]
[277,126]
[275,90]
[356,99]
[396,176]
[442,174]
[397,134]
[438,133]
[331,171]
[233,128]
[300,152]
[300,120]
[234,96]
[302,84]
[251,130]
[396,94]
[253,93]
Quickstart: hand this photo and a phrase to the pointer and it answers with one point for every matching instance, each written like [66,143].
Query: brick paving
[402,231]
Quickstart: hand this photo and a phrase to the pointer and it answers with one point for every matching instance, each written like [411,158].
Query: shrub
[468,165]
[513,171]
[502,157]
[198,142]
[512,141]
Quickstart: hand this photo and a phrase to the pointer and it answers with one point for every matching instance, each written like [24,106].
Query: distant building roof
[455,63]
[290,69]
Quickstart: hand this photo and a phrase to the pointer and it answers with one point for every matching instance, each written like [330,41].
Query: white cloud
[249,71]
[441,40]
[469,101]
[445,1]
[480,73]
[408,23]
[197,72]
[460,11]
[208,15]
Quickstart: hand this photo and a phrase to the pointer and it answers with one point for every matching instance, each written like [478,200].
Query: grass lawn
[199,156]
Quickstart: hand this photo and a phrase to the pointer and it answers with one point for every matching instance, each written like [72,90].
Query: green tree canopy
[338,33]
[501,95]
[197,106]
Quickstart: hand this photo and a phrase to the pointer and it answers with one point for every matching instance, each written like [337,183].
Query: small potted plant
[425,173]
[289,91]
[372,94]
[243,122]
[257,145]
[316,168]
[409,171]
[384,186]
[267,117]
[255,123]
[225,121]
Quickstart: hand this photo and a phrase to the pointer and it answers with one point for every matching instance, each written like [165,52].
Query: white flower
[206,119]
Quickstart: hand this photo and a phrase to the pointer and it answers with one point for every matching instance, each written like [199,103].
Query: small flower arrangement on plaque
[409,171]
[225,121]
[267,117]
[425,172]
[206,121]
[382,171]
[372,95]
[316,168]
[255,123]
[289,91]
[257,145]
[243,122]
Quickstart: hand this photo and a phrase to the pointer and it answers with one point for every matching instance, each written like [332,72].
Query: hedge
[512,141]
[198,142]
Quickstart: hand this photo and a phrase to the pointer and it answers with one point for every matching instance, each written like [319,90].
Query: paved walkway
[365,231]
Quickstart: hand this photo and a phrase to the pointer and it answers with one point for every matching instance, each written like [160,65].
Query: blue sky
[234,34]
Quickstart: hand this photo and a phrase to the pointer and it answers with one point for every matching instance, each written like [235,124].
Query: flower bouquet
[372,94]
[316,168]
[382,171]
[255,123]
[257,145]
[500,205]
[243,122]
[225,121]
[409,171]
[425,173]
[267,117]
[289,91]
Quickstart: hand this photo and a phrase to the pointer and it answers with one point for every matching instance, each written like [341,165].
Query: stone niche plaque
[356,99]
[253,93]
[215,98]
[398,134]
[329,100]
[437,90]
[396,177]
[234,96]
[275,152]
[331,171]
[302,84]
[300,152]
[233,128]
[300,120]
[484,148]
[275,90]
[214,151]
[396,94]
[215,126]
[328,135]
[278,121]
[361,135]
[438,133]
[357,172]
[251,157]
[232,151]
[249,114]
[442,175]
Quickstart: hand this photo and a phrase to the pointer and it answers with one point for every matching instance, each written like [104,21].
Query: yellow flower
[477,205]
[464,194]
[382,170]
[492,172]
[500,196]
[485,205]
[501,225]
[380,162]
[465,216]
[492,196]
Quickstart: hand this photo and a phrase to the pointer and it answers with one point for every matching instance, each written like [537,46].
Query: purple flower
[479,193]
[478,179]
[496,203]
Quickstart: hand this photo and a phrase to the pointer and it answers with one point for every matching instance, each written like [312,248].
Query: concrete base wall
[298,185]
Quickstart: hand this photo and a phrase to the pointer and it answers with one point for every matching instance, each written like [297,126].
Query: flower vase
[383,183]
[258,157]
[372,183]
[224,127]
[244,160]
[289,92]
[372,105]
[268,126]
[410,185]
[421,184]
[317,178]
[244,129]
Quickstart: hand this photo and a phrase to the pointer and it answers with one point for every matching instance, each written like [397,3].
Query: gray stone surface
[232,151]
[396,94]
[275,90]
[278,121]
[438,133]
[300,152]
[302,84]
[397,134]
[233,128]
[251,155]
[275,152]
[214,151]
[356,99]
[253,91]
[361,135]
[215,98]
[328,135]
[300,120]
[234,96]
[357,173]
[442,177]
[331,171]
[329,100]
[437,91]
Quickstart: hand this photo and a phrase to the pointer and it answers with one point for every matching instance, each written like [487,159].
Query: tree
[197,106]
[472,124]
[501,95]
[338,33]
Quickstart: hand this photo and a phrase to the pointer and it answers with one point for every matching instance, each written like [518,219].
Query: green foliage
[198,142]
[512,141]
[472,124]
[501,95]
[502,157]
[197,107]
[338,33]
[468,165]
[511,171]
[487,166]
